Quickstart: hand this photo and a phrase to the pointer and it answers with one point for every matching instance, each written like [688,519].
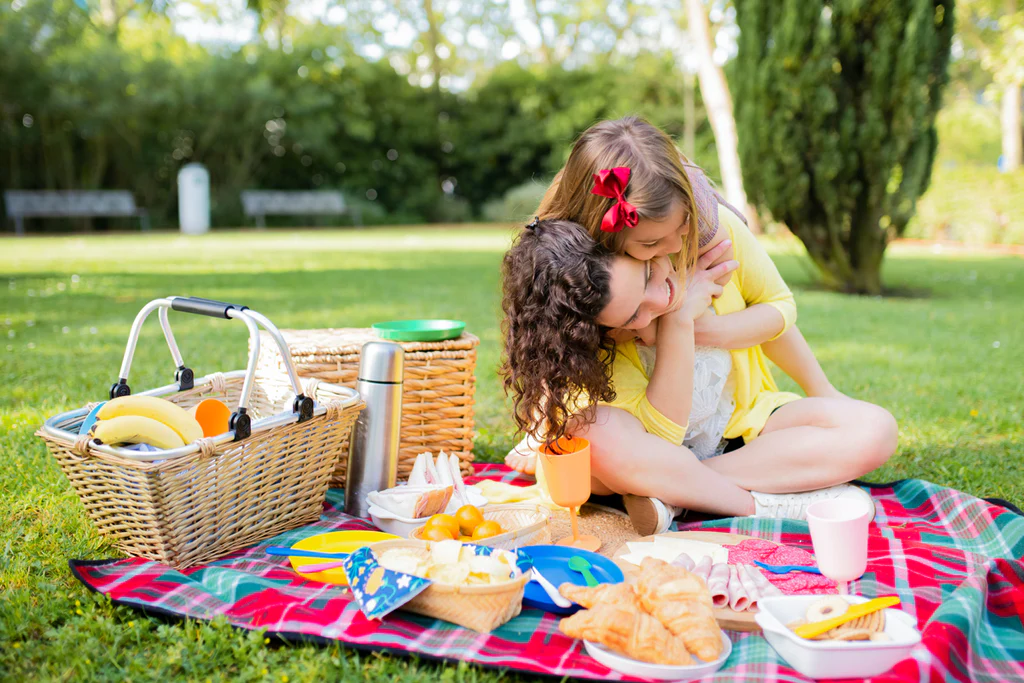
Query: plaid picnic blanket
[951,558]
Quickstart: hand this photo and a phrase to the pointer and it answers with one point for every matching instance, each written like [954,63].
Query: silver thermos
[373,454]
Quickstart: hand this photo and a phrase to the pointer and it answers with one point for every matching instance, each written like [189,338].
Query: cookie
[827,608]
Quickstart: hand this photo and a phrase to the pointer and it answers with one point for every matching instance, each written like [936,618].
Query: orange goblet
[566,465]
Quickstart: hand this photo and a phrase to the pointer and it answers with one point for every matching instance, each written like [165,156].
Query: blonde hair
[657,180]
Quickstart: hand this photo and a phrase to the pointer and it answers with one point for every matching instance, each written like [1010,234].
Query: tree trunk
[718,102]
[689,116]
[854,267]
[433,41]
[1011,124]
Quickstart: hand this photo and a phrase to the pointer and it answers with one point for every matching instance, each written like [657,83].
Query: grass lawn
[947,364]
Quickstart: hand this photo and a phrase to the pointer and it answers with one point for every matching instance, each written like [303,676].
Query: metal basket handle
[240,421]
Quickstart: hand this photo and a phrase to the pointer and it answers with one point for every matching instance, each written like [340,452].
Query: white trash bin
[194,199]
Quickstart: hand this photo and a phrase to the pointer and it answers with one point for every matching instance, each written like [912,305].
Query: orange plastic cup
[566,466]
[212,415]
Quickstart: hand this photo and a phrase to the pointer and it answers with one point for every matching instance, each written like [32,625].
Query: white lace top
[713,402]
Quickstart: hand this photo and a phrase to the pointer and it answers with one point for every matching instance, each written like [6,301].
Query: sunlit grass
[947,364]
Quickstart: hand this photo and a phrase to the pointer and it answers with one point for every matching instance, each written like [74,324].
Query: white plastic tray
[832,659]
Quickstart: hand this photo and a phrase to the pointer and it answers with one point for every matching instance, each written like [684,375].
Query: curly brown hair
[557,359]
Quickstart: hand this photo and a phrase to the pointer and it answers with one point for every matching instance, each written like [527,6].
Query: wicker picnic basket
[480,608]
[526,524]
[438,388]
[193,504]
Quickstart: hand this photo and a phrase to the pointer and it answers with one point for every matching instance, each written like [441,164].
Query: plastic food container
[830,659]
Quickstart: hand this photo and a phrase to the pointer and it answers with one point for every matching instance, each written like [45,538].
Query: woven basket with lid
[438,390]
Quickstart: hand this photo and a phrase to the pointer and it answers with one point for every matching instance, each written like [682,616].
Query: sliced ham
[718,584]
[765,588]
[746,576]
[703,568]
[738,598]
[685,561]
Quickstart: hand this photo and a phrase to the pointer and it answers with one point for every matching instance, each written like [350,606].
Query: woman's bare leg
[810,444]
[626,459]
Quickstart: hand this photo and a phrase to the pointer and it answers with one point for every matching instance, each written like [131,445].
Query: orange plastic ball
[469,518]
[446,522]
[487,529]
[436,533]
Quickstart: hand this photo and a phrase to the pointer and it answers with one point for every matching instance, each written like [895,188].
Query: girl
[626,184]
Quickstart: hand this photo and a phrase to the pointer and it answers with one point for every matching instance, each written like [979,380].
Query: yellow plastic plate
[333,542]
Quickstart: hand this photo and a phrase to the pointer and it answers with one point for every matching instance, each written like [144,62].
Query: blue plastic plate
[553,562]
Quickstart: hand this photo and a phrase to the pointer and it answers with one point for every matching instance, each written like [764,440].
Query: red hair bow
[611,183]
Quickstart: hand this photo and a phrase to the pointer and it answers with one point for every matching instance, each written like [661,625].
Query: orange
[486,530]
[447,522]
[469,519]
[436,533]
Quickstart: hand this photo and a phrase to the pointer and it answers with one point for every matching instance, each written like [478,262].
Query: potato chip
[445,552]
[404,561]
[451,574]
[478,579]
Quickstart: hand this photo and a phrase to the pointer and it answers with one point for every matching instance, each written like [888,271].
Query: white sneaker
[649,515]
[794,505]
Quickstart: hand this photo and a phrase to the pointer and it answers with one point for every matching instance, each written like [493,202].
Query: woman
[778,443]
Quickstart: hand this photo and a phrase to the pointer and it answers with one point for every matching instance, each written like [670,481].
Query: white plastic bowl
[831,659]
[657,672]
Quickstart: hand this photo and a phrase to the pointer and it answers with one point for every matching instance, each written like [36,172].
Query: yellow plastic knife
[855,612]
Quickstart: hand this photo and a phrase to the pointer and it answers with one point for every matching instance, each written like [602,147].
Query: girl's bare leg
[626,459]
[810,444]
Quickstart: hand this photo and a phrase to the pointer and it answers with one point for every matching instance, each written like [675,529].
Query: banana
[158,409]
[136,429]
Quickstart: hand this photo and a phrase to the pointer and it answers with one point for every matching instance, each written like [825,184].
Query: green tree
[836,103]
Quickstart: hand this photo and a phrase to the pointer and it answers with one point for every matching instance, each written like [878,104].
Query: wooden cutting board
[728,619]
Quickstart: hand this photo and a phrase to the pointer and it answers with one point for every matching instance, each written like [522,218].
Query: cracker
[853,634]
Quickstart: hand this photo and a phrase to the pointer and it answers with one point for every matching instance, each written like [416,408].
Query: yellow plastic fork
[855,612]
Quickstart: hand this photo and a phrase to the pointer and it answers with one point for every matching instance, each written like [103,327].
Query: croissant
[681,602]
[601,594]
[629,631]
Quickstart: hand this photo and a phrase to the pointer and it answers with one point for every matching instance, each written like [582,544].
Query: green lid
[420,330]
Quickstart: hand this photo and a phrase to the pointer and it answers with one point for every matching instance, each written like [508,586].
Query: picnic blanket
[952,559]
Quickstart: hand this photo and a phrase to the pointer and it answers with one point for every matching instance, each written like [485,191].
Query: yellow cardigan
[756,281]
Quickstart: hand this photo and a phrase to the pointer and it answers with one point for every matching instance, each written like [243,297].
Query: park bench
[259,204]
[22,204]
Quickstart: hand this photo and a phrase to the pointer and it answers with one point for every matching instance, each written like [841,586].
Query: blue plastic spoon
[787,568]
